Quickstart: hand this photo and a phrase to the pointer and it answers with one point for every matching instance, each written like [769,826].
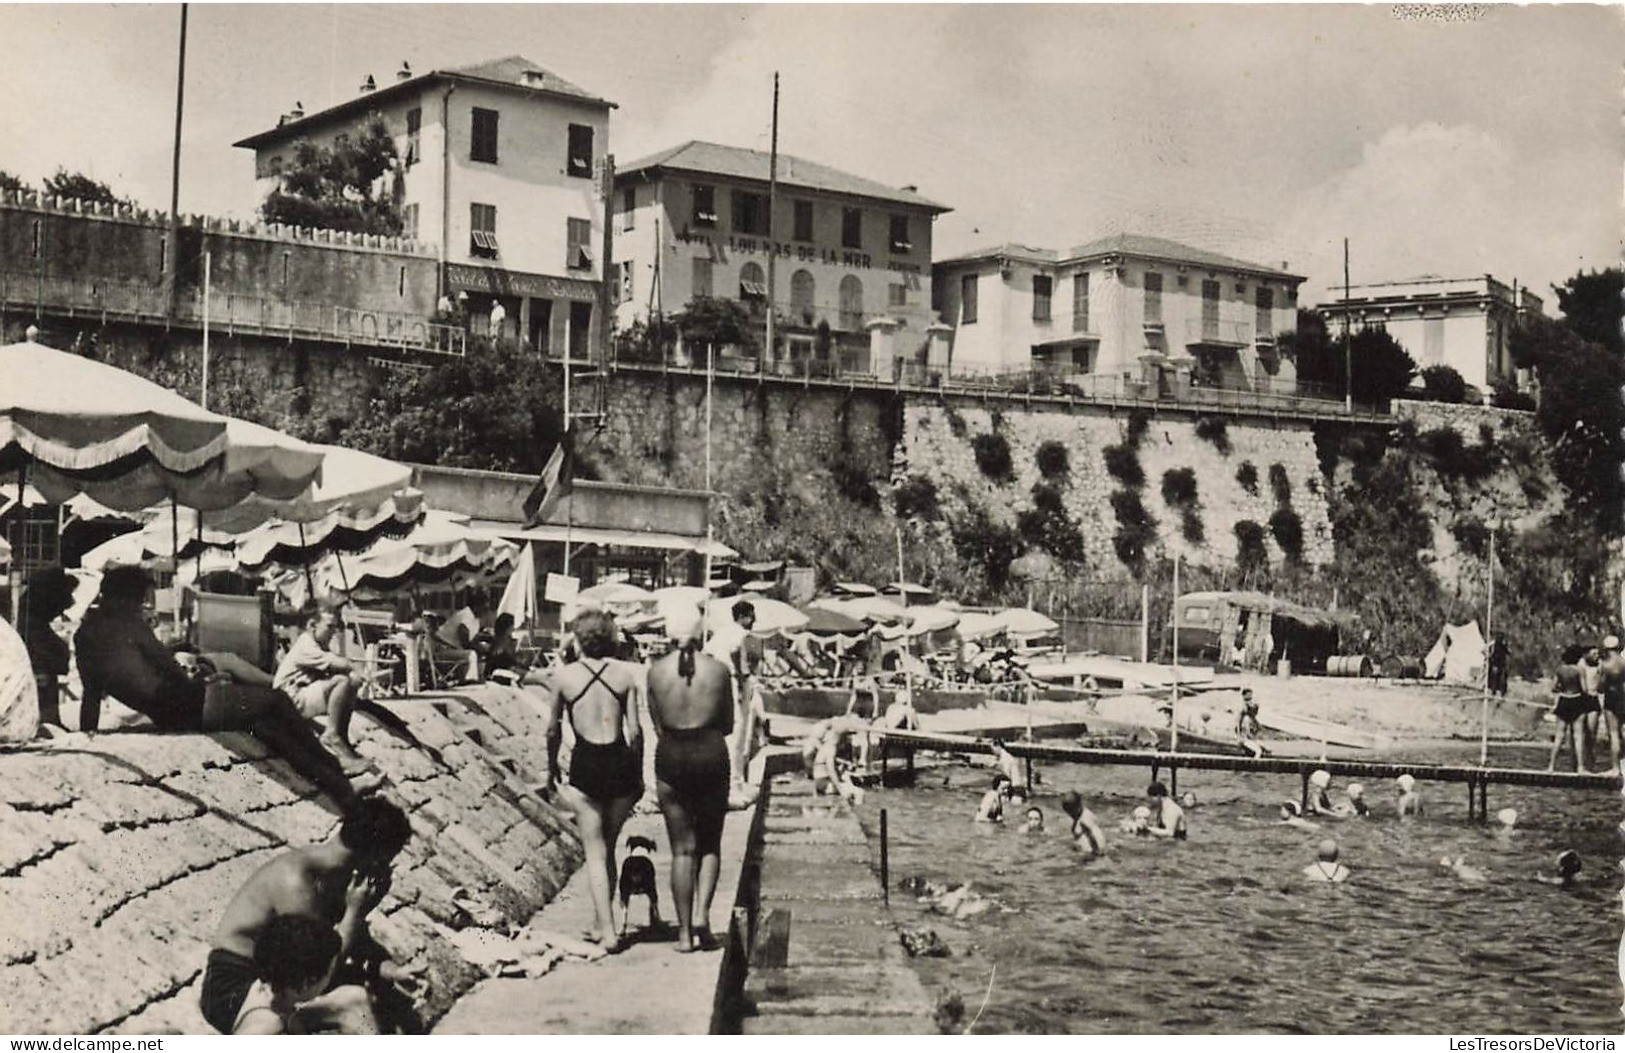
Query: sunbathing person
[321,683]
[691,705]
[339,882]
[120,656]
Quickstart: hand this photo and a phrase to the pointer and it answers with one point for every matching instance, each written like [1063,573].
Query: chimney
[532,78]
[368,85]
[405,72]
[911,189]
[297,112]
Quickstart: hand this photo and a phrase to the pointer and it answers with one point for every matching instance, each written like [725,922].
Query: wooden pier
[1477,779]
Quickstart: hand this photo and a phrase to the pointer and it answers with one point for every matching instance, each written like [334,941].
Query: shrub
[1179,487]
[1247,476]
[993,457]
[990,545]
[853,483]
[1505,394]
[1288,531]
[1136,529]
[1048,526]
[956,422]
[1215,431]
[1123,464]
[1251,554]
[1280,485]
[916,498]
[1052,460]
[1191,527]
[1472,535]
[1134,433]
[995,420]
[1443,384]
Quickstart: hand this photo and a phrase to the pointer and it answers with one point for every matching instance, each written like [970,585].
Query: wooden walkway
[1477,779]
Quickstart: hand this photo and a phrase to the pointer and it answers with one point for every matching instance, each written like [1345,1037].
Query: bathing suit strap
[596,676]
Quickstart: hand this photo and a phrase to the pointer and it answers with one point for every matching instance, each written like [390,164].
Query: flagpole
[570,505]
[1173,699]
[710,352]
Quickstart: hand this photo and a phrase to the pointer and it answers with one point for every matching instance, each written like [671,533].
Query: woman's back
[686,703]
[598,695]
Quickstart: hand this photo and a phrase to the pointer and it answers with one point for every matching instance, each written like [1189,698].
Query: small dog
[638,879]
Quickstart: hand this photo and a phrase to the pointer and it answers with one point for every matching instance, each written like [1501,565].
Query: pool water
[1222,933]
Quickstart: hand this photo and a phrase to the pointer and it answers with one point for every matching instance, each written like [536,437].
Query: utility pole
[204,400]
[772,200]
[171,246]
[1348,353]
[607,297]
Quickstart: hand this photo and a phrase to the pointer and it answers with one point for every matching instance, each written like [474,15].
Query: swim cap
[682,622]
[1568,861]
[1508,817]
[1610,643]
[1356,790]
[1406,781]
[1142,812]
[1320,779]
[1328,850]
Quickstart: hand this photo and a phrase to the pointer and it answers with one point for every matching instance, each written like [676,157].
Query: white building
[502,167]
[852,256]
[1463,323]
[1119,312]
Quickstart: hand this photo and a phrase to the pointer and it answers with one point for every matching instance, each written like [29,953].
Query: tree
[1443,384]
[496,408]
[10,182]
[1319,357]
[1591,307]
[80,186]
[352,185]
[1383,369]
[708,321]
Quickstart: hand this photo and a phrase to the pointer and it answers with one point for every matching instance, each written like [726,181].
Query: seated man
[455,637]
[501,650]
[321,683]
[294,962]
[338,881]
[120,656]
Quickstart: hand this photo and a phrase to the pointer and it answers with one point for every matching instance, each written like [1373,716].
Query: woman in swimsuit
[597,694]
[691,704]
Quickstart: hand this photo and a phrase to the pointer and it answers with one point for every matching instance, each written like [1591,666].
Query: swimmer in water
[991,810]
[1292,815]
[1568,870]
[1410,802]
[1187,800]
[1085,831]
[1357,805]
[1326,867]
[1508,818]
[1167,818]
[1139,824]
[1464,870]
[1034,823]
[1320,799]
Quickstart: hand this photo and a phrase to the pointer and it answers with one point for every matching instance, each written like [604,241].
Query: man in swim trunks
[1167,818]
[1326,867]
[1247,727]
[321,683]
[294,960]
[339,881]
[1570,704]
[1085,830]
[691,706]
[1611,684]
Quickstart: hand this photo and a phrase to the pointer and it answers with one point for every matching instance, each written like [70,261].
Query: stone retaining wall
[118,852]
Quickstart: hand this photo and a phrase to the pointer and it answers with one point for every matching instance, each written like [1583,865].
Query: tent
[1457,656]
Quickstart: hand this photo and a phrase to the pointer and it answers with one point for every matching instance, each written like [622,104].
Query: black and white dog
[638,879]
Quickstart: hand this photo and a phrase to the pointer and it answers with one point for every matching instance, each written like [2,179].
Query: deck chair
[241,625]
[379,659]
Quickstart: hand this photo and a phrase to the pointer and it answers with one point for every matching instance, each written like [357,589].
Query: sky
[1470,140]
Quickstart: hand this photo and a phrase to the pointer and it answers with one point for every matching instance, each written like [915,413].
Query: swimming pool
[1222,933]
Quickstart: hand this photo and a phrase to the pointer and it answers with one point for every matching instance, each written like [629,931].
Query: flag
[555,481]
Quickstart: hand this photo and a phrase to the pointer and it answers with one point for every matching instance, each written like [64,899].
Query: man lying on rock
[120,656]
[339,881]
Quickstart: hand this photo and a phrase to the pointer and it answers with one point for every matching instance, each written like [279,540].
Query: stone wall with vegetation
[119,850]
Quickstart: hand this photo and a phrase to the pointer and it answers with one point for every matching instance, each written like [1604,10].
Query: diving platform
[1477,779]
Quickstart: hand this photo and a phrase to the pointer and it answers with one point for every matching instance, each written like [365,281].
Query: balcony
[1213,332]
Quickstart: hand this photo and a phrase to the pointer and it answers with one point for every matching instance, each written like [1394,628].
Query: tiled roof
[1009,250]
[1143,245]
[737,163]
[508,72]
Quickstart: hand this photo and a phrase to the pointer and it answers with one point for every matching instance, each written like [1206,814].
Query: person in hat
[1410,802]
[1611,686]
[1292,815]
[1320,798]
[1326,867]
[46,596]
[1357,806]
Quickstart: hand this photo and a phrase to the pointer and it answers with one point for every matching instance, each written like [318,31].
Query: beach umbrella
[614,594]
[519,596]
[165,533]
[909,593]
[771,615]
[693,595]
[929,619]
[73,423]
[357,492]
[854,588]
[824,622]
[874,609]
[442,548]
[1023,621]
[974,625]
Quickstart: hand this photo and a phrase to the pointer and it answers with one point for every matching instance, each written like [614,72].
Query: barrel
[1348,665]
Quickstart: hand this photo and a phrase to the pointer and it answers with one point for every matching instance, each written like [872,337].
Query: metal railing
[1218,331]
[229,312]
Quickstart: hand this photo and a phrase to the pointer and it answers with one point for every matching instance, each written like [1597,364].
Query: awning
[750,288]
[599,536]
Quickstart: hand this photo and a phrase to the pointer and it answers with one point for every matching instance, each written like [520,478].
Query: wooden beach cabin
[1250,630]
